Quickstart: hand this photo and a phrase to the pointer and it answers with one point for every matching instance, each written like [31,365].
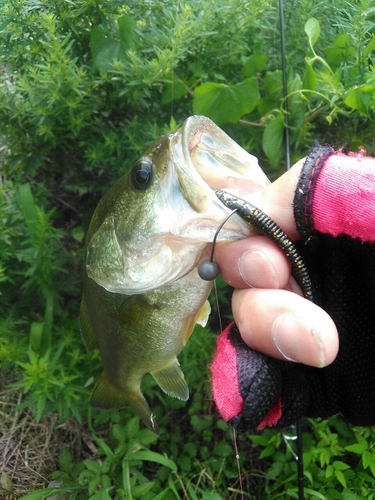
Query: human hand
[268,305]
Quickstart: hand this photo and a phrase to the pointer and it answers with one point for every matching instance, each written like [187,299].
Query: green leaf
[339,465]
[310,80]
[127,32]
[359,98]
[174,90]
[6,482]
[366,457]
[358,448]
[102,494]
[78,233]
[329,471]
[41,494]
[272,142]
[65,461]
[105,50]
[36,335]
[28,205]
[226,103]
[312,29]
[254,64]
[340,477]
[152,456]
[370,47]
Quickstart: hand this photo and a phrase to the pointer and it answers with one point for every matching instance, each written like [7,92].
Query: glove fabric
[253,391]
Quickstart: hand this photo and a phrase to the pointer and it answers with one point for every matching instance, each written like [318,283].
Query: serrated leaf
[272,142]
[312,29]
[226,103]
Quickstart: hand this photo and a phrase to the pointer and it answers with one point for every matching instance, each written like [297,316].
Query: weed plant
[85,87]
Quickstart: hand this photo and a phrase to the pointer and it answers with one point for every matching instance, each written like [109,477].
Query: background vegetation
[85,87]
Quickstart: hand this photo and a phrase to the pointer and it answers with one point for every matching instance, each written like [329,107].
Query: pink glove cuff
[344,197]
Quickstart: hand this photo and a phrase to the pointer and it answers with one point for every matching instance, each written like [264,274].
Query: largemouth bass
[142,294]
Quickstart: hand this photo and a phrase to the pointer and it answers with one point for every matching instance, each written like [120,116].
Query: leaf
[175,89]
[310,80]
[41,494]
[340,477]
[127,32]
[36,335]
[339,465]
[272,142]
[226,103]
[28,205]
[254,64]
[6,482]
[102,494]
[105,50]
[358,448]
[312,29]
[370,47]
[359,98]
[366,458]
[65,461]
[152,456]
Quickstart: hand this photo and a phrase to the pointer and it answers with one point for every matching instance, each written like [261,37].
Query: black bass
[142,294]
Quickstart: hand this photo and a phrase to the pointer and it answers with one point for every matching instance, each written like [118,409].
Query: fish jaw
[183,213]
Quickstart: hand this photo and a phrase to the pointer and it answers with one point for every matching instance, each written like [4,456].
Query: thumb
[276,200]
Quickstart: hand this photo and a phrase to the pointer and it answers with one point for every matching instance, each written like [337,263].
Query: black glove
[252,390]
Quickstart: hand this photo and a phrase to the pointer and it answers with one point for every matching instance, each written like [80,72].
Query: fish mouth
[205,159]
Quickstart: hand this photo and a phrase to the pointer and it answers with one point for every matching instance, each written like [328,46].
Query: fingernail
[251,266]
[287,332]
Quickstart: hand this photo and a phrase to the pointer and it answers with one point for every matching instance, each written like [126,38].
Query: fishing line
[238,462]
[208,269]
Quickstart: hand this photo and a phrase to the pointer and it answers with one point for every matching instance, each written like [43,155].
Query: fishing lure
[254,217]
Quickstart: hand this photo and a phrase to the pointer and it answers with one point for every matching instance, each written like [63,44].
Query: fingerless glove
[334,209]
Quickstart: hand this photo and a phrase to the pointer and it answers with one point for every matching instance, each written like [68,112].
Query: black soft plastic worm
[255,218]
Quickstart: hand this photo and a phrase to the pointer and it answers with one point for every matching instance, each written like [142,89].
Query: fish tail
[106,396]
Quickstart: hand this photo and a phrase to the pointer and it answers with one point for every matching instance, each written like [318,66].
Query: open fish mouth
[206,158]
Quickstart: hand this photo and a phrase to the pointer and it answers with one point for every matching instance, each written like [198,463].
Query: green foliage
[85,87]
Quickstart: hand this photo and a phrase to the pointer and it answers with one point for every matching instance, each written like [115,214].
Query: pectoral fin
[172,380]
[106,395]
[203,314]
[86,328]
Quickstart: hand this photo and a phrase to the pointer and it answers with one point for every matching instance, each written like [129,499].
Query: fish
[142,295]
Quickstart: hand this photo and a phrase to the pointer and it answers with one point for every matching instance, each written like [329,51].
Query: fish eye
[142,174]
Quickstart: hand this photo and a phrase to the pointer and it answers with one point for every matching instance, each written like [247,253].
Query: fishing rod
[299,458]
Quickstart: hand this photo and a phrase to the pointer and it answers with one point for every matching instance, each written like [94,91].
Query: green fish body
[142,295]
